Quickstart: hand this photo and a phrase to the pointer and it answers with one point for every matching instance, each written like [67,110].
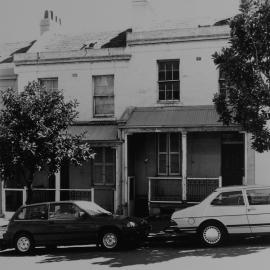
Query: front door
[232,164]
[258,210]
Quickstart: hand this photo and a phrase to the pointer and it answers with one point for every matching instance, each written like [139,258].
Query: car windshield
[92,208]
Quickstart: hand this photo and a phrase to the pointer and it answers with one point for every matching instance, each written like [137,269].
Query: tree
[34,134]
[246,65]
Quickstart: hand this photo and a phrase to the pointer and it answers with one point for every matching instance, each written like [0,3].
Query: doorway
[232,168]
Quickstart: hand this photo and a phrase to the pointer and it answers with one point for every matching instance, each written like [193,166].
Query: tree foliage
[246,65]
[34,134]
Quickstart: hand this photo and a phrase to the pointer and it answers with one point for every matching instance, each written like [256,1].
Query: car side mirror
[83,215]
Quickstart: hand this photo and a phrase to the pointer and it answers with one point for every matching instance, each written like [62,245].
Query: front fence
[165,190]
[13,198]
[170,189]
[199,188]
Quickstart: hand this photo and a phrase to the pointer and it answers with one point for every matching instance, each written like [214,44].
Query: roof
[172,116]
[96,133]
[229,188]
[7,50]
[53,41]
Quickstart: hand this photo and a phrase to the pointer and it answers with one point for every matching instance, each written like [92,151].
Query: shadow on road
[152,252]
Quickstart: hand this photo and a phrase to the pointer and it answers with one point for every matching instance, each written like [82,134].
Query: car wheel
[24,244]
[110,240]
[212,235]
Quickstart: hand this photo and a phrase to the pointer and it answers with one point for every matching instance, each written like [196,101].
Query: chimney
[142,15]
[49,22]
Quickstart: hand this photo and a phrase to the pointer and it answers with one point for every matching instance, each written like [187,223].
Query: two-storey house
[145,101]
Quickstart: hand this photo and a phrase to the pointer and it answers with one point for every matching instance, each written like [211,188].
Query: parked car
[69,223]
[243,210]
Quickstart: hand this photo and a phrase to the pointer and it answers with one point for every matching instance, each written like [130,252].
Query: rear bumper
[136,233]
[175,229]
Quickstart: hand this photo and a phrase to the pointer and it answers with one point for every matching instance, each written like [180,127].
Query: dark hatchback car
[69,223]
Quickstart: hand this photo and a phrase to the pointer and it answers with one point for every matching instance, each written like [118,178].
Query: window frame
[41,80]
[166,61]
[105,115]
[230,205]
[168,154]
[104,164]
[255,190]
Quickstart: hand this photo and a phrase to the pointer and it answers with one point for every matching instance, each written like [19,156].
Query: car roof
[68,201]
[235,188]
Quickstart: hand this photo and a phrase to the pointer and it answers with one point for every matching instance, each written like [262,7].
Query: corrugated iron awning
[96,133]
[173,117]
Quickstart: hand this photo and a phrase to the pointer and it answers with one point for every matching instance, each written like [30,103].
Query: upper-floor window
[103,95]
[222,82]
[49,83]
[168,80]
[169,154]
[104,166]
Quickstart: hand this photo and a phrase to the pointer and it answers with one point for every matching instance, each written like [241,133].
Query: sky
[19,19]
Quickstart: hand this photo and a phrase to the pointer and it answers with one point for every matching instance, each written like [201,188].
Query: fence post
[184,165]
[3,210]
[220,181]
[92,194]
[57,186]
[24,191]
[149,194]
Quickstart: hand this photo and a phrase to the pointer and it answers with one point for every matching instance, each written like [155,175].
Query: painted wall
[136,80]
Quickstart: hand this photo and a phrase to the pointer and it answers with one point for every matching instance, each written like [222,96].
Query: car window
[258,196]
[233,198]
[64,211]
[36,212]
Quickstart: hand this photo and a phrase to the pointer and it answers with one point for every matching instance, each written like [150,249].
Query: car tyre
[24,244]
[212,234]
[110,240]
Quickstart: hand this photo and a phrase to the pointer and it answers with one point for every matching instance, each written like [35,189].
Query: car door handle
[251,209]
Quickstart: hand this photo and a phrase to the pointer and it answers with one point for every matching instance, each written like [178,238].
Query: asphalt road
[176,253]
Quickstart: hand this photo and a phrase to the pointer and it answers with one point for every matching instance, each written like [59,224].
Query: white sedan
[229,210]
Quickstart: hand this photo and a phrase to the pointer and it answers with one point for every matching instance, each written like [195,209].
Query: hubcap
[109,240]
[23,244]
[211,235]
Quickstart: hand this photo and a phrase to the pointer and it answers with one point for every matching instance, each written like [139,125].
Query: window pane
[161,95]
[98,174]
[169,86]
[161,66]
[50,83]
[229,199]
[162,86]
[37,212]
[161,76]
[176,65]
[174,163]
[169,66]
[103,85]
[109,155]
[174,142]
[175,75]
[176,95]
[168,75]
[98,155]
[104,105]
[64,211]
[168,95]
[109,174]
[162,142]
[162,163]
[258,197]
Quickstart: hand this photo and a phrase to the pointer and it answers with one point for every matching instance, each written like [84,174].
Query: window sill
[173,102]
